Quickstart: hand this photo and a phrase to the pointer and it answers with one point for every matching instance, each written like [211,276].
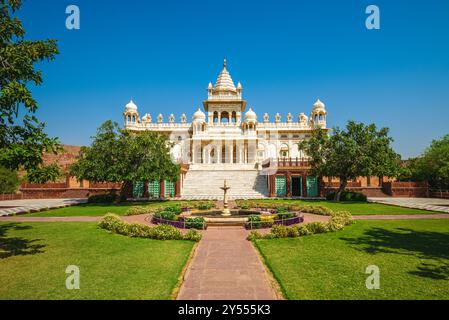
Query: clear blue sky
[285,53]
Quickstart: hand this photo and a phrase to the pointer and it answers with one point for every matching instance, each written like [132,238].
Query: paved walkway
[11,207]
[226,266]
[433,204]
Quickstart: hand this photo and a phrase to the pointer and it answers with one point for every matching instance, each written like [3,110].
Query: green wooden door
[312,187]
[281,186]
[169,189]
[153,189]
[138,188]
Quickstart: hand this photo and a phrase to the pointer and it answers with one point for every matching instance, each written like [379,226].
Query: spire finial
[225,63]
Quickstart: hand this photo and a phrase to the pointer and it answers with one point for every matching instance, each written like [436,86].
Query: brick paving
[226,266]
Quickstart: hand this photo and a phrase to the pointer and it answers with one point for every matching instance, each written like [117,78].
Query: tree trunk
[343,184]
[123,190]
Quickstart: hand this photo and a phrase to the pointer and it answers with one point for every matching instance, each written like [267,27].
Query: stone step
[244,183]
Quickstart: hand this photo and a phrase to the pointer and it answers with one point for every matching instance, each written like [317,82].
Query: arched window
[284,153]
[215,117]
[129,118]
[224,117]
[234,117]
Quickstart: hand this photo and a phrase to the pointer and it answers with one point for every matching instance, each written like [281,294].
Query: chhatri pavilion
[258,156]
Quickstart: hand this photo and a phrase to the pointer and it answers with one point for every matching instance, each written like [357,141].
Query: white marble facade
[225,132]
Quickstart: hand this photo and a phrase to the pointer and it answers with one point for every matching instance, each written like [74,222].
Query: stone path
[433,204]
[11,207]
[226,266]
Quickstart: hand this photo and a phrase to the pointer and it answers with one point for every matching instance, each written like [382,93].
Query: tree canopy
[22,136]
[359,150]
[432,165]
[118,155]
[9,180]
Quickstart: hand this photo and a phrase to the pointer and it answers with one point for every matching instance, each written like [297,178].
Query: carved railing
[286,162]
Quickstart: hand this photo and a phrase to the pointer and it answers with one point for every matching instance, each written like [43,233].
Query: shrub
[281,209]
[320,210]
[302,230]
[348,196]
[114,224]
[195,223]
[192,235]
[165,232]
[175,209]
[110,222]
[244,206]
[279,231]
[103,198]
[285,215]
[205,205]
[293,232]
[254,218]
[134,211]
[254,235]
[317,227]
[166,215]
[9,181]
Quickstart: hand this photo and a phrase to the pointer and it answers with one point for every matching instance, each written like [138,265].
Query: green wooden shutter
[281,186]
[154,189]
[138,189]
[169,189]
[312,187]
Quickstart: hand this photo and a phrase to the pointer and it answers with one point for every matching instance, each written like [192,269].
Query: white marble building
[226,135]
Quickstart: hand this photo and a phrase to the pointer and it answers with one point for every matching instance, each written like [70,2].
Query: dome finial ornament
[225,63]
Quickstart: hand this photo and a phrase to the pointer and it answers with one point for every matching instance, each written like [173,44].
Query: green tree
[22,136]
[9,180]
[121,156]
[433,165]
[360,150]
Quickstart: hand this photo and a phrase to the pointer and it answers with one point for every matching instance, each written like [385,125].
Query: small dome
[131,106]
[318,105]
[199,115]
[250,115]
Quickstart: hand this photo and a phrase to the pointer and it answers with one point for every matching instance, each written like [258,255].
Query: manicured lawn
[413,258]
[92,209]
[34,257]
[356,208]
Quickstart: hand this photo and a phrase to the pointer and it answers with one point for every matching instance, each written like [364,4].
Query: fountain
[226,211]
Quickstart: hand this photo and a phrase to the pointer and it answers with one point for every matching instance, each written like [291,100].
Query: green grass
[356,208]
[34,257]
[413,258]
[93,209]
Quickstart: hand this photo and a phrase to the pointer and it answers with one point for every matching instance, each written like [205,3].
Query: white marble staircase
[205,184]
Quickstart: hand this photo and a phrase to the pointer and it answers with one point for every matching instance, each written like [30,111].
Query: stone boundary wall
[56,193]
[439,194]
[406,189]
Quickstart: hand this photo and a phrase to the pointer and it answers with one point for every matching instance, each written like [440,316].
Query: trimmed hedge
[137,210]
[339,220]
[113,223]
[106,198]
[315,209]
[348,196]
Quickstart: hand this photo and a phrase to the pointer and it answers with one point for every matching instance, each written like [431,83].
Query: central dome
[224,80]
